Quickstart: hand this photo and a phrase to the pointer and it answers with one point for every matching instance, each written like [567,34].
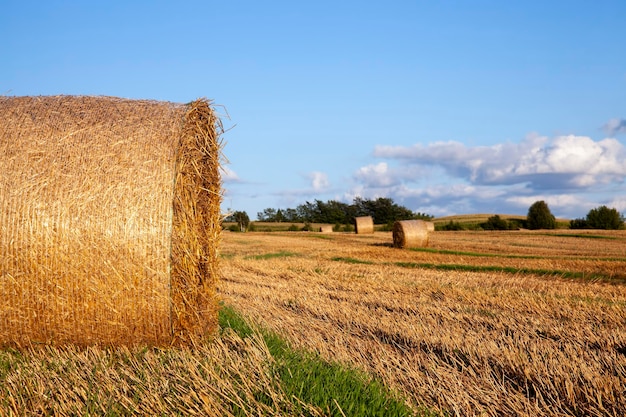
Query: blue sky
[446,107]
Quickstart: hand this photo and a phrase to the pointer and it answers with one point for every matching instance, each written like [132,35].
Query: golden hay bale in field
[410,234]
[326,228]
[110,219]
[364,224]
[430,226]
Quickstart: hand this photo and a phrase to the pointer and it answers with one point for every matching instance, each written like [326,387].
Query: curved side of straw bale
[410,234]
[109,211]
[363,225]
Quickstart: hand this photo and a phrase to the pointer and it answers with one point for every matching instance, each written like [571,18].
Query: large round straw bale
[110,219]
[410,234]
[326,228]
[364,224]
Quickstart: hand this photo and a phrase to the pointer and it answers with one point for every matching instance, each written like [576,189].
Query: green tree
[306,212]
[331,212]
[540,217]
[291,215]
[382,210]
[242,219]
[280,217]
[605,218]
[267,215]
[423,216]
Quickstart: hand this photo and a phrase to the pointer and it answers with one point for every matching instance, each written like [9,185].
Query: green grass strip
[493,268]
[582,236]
[316,236]
[512,270]
[351,260]
[510,256]
[336,389]
[281,254]
[477,254]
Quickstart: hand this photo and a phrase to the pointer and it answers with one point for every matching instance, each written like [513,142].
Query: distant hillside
[462,218]
[473,219]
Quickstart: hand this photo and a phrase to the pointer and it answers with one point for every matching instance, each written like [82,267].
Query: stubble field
[478,323]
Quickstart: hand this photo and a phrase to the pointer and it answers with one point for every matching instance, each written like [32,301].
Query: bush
[348,228]
[451,225]
[540,217]
[293,228]
[578,224]
[387,227]
[495,223]
[600,218]
[338,227]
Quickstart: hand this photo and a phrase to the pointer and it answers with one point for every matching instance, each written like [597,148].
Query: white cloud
[228,175]
[319,181]
[376,175]
[380,175]
[558,203]
[572,173]
[618,203]
[562,162]
[615,126]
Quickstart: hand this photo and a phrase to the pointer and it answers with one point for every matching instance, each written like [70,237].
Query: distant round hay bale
[364,225]
[430,226]
[326,228]
[410,234]
[110,219]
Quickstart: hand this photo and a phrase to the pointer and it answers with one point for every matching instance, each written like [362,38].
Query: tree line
[385,211]
[382,211]
[540,217]
[602,217]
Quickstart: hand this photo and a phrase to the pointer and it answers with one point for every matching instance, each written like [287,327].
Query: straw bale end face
[109,211]
[410,234]
[196,225]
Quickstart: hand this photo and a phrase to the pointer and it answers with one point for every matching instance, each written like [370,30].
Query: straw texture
[363,225]
[109,211]
[410,234]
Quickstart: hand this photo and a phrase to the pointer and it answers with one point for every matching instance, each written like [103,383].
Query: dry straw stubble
[467,343]
[108,212]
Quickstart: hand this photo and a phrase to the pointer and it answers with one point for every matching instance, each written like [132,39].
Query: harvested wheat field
[478,323]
